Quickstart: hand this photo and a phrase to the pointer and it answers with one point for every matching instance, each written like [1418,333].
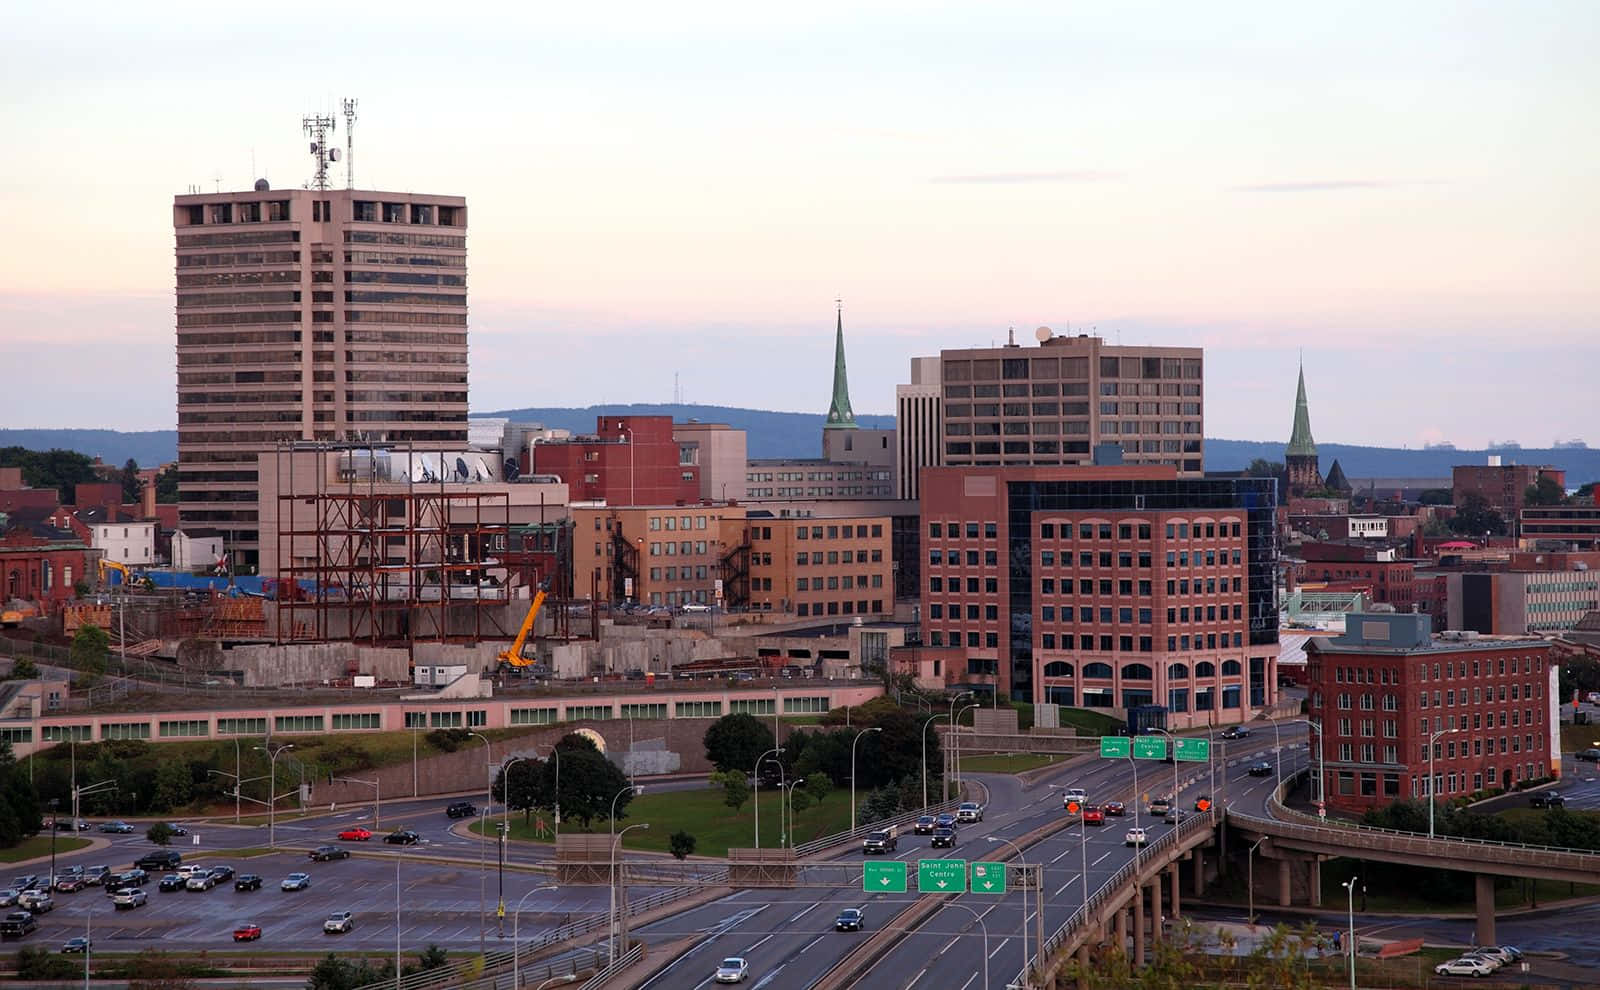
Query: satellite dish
[461,468]
[512,470]
[313,147]
[333,154]
[1043,334]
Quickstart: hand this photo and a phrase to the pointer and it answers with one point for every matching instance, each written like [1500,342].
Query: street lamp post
[483,818]
[273,752]
[1026,870]
[979,918]
[612,820]
[1250,883]
[88,937]
[789,802]
[1322,757]
[555,754]
[955,736]
[1432,791]
[1173,742]
[238,772]
[755,791]
[615,919]
[377,797]
[1137,846]
[954,742]
[516,937]
[398,857]
[853,775]
[925,725]
[505,831]
[1350,888]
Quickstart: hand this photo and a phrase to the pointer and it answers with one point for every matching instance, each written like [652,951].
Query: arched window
[1205,668]
[1058,668]
[1097,669]
[1136,672]
[1230,668]
[1178,672]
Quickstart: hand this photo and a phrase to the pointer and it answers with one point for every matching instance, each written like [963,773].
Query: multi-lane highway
[788,935]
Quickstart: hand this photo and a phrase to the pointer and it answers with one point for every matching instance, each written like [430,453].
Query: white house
[194,547]
[131,543]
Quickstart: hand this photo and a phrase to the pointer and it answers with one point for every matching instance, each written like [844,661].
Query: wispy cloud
[1010,178]
[1334,185]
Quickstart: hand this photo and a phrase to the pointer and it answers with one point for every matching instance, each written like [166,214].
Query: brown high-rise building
[1055,403]
[311,314]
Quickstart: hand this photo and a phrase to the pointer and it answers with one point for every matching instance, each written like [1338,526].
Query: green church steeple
[840,416]
[1300,442]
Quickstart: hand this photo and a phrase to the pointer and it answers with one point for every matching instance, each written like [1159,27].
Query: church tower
[840,416]
[1300,457]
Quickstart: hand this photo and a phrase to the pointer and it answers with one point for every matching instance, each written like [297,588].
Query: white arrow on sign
[942,884]
[884,881]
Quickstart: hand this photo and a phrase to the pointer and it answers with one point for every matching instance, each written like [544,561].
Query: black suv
[461,809]
[322,854]
[159,861]
[1548,799]
[247,881]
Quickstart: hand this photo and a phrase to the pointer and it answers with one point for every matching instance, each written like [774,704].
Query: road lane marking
[914,979]
[758,945]
[802,914]
[1103,856]
[1003,944]
[947,945]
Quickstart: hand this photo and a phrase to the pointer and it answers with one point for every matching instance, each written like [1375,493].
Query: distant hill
[789,434]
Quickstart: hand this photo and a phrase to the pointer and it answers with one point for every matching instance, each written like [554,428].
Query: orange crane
[513,656]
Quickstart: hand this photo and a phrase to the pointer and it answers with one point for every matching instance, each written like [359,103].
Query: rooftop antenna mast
[317,127]
[350,142]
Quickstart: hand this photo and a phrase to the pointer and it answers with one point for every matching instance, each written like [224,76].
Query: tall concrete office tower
[311,314]
[916,426]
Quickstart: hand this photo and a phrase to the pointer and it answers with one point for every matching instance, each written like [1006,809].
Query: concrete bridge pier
[1285,883]
[1121,930]
[1138,927]
[1197,885]
[1483,892]
[1083,965]
[1316,881]
[1155,908]
[1173,879]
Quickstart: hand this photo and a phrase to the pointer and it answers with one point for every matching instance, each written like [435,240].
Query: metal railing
[905,818]
[621,963]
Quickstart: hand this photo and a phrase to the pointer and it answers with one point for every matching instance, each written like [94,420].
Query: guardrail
[839,838]
[614,967]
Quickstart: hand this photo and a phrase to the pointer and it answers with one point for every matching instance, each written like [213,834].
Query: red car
[1094,815]
[1115,808]
[357,834]
[246,931]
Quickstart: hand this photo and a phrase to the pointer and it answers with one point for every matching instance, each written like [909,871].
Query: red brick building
[1392,581]
[1104,587]
[1387,688]
[1501,485]
[34,569]
[630,460]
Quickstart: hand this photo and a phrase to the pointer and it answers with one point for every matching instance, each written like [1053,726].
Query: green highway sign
[941,876]
[988,878]
[1149,748]
[1193,750]
[887,878]
[1114,747]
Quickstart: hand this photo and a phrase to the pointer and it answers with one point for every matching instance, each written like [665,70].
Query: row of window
[804,609]
[835,583]
[1140,671]
[803,558]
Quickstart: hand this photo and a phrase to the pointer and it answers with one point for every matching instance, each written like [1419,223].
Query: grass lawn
[1523,816]
[715,826]
[1089,722]
[1007,762]
[39,845]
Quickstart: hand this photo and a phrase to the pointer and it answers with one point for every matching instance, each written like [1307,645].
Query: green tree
[735,742]
[24,669]
[174,786]
[132,487]
[19,801]
[681,844]
[818,785]
[333,973]
[1436,496]
[432,957]
[1474,517]
[160,833]
[799,800]
[91,647]
[521,787]
[1260,467]
[735,787]
[589,782]
[167,485]
[58,469]
[1544,491]
[1586,490]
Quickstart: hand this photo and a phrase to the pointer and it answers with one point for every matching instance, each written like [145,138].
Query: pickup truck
[882,841]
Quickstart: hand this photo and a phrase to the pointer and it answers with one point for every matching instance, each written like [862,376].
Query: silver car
[733,970]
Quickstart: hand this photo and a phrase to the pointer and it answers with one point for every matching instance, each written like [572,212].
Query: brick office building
[827,567]
[1388,686]
[1104,587]
[1392,581]
[628,460]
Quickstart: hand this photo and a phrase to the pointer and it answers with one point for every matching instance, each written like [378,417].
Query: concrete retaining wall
[313,663]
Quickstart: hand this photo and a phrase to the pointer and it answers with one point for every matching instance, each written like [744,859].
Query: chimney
[147,501]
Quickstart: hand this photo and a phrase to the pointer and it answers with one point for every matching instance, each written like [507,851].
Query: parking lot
[439,904]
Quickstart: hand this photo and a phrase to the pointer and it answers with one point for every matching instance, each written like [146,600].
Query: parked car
[36,901]
[17,924]
[27,881]
[1260,769]
[296,881]
[8,896]
[247,881]
[1547,799]
[1235,732]
[1135,837]
[850,920]
[732,970]
[969,811]
[924,825]
[1591,755]
[404,837]
[70,882]
[322,854]
[161,859]
[119,828]
[246,931]
[94,876]
[1490,953]
[170,882]
[129,897]
[1115,809]
[357,834]
[76,944]
[222,874]
[68,825]
[1464,967]
[1094,815]
[338,923]
[132,878]
[944,838]
[879,842]
[200,882]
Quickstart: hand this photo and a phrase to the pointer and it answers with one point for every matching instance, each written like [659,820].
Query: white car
[1465,966]
[732,970]
[1501,954]
[1489,956]
[1074,795]
[969,811]
[129,897]
[36,901]
[1135,837]
[339,922]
